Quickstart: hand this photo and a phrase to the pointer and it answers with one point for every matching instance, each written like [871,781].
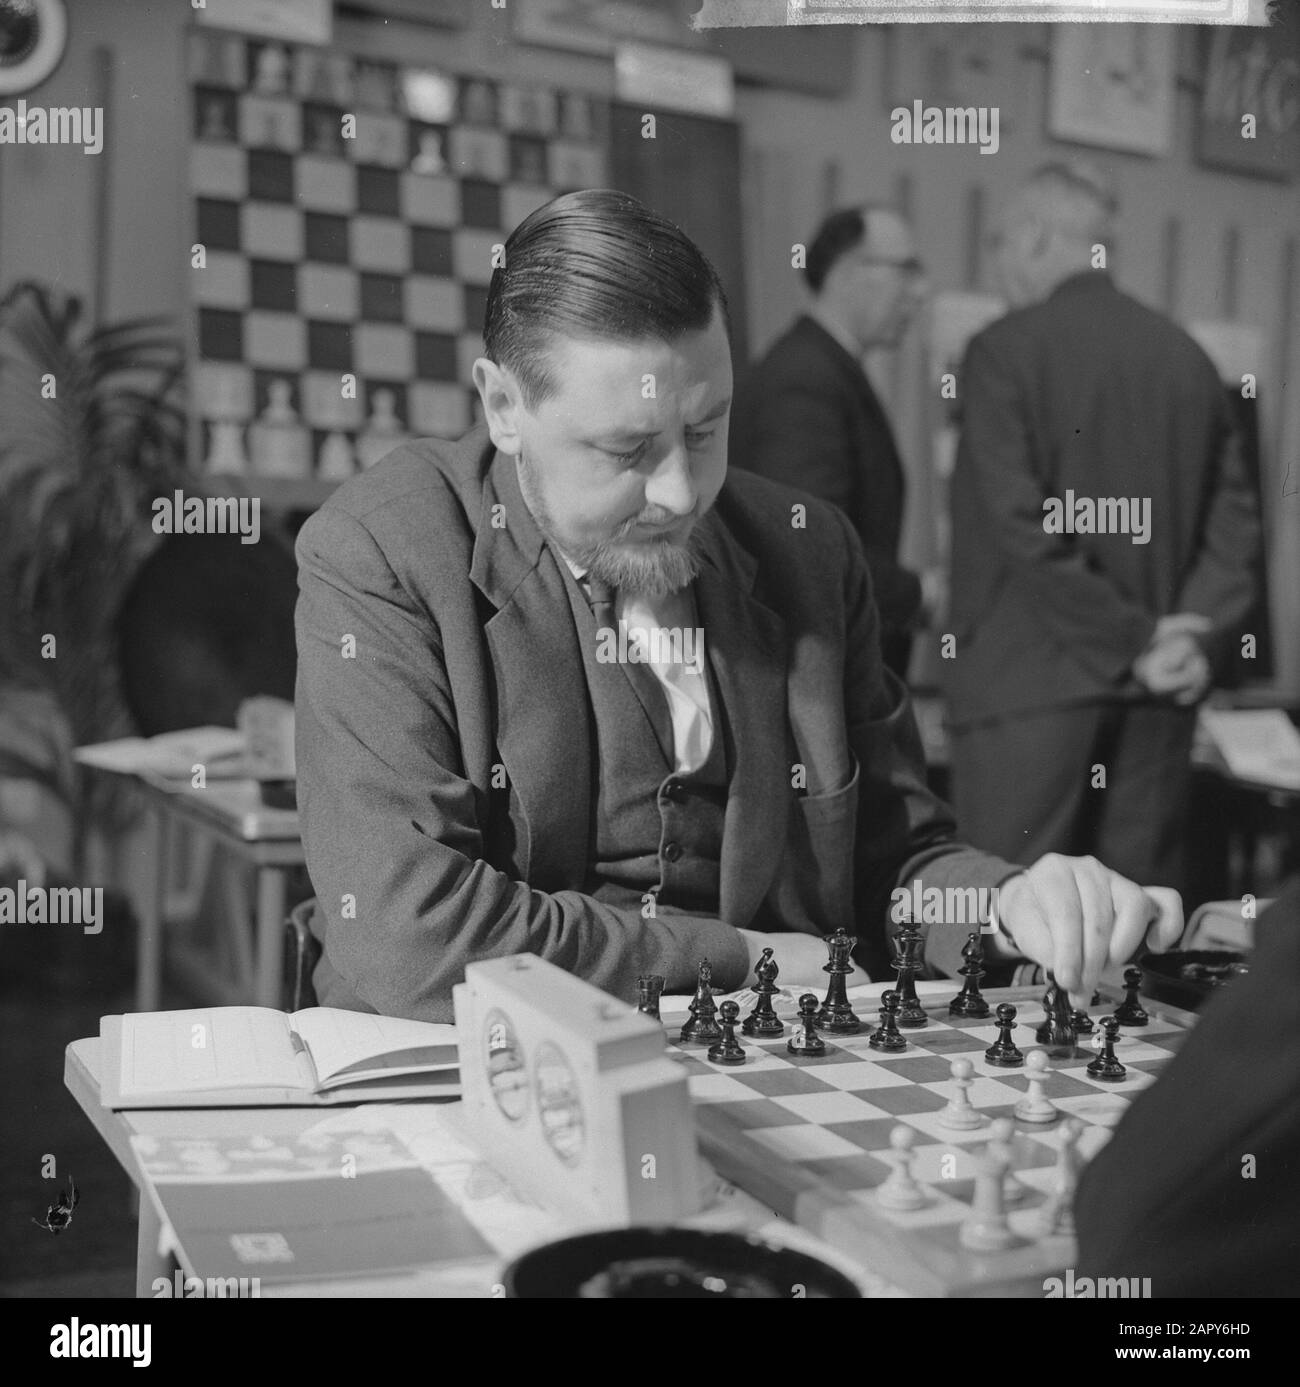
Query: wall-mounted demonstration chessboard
[347,211]
[891,1155]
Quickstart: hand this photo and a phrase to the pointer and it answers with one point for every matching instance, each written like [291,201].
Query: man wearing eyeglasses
[807,414]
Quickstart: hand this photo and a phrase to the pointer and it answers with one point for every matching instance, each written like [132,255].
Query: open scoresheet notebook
[225,1057]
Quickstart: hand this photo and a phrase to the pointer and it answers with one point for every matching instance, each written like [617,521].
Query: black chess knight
[1056,1031]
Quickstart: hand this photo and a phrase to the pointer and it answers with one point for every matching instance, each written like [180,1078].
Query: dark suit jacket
[1171,1196]
[806,415]
[1090,391]
[466,661]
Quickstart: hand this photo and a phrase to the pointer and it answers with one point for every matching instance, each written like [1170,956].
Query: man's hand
[1076,917]
[801,958]
[1174,666]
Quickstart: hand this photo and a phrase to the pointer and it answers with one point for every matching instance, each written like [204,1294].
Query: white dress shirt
[684,682]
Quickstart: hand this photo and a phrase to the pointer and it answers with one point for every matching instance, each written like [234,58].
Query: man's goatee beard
[655,569]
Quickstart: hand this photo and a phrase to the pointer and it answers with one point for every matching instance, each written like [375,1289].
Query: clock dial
[506,1071]
[33,35]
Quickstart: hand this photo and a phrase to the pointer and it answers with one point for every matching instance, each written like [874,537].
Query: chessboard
[810,1136]
[348,214]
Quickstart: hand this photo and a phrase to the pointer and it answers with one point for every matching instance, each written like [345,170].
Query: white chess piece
[960,1115]
[226,456]
[1003,1135]
[278,444]
[986,1229]
[1035,1106]
[335,463]
[428,157]
[272,70]
[383,430]
[1057,1214]
[900,1189]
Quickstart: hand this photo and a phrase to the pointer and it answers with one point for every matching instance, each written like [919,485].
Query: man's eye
[628,458]
[700,438]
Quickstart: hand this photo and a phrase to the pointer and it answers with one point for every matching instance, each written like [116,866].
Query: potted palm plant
[92,427]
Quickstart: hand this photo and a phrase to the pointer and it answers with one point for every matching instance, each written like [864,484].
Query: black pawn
[763,1021]
[836,1013]
[728,1050]
[969,1002]
[807,1041]
[888,1037]
[702,1026]
[1004,1050]
[910,1012]
[1082,1023]
[1130,1011]
[649,988]
[1106,1066]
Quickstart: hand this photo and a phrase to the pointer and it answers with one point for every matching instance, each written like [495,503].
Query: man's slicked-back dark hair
[594,264]
[842,231]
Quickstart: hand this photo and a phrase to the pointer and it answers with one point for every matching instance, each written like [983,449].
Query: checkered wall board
[370,254]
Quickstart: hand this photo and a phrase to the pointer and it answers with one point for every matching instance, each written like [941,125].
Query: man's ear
[502,404]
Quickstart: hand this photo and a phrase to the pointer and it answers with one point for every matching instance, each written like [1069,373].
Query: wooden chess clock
[571,1094]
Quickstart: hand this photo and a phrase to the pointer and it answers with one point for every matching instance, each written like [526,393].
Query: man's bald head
[1049,227]
[1068,201]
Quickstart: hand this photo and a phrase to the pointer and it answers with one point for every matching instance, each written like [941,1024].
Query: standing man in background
[1080,656]
[808,416]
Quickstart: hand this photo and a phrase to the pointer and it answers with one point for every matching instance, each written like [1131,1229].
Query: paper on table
[342,1040]
[220,750]
[208,1049]
[1257,743]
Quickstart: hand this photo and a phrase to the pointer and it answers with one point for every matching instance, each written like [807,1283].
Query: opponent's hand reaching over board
[1076,917]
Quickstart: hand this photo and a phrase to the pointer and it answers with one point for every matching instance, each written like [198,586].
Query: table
[736,1212]
[231,813]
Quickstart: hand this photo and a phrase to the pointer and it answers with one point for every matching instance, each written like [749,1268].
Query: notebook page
[340,1040]
[208,1048]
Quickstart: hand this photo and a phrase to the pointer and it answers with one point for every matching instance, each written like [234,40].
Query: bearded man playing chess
[486,767]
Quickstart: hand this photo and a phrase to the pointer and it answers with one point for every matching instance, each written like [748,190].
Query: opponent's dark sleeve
[1199,1188]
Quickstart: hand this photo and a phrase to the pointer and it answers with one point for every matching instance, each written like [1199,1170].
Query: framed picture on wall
[1112,85]
[598,26]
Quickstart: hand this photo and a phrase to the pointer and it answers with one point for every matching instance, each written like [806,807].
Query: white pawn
[987,1229]
[383,430]
[226,455]
[272,70]
[1057,1214]
[1013,1188]
[900,1189]
[278,444]
[960,1115]
[1035,1106]
[335,462]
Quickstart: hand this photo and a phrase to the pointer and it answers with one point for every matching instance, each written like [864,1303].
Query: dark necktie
[600,597]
